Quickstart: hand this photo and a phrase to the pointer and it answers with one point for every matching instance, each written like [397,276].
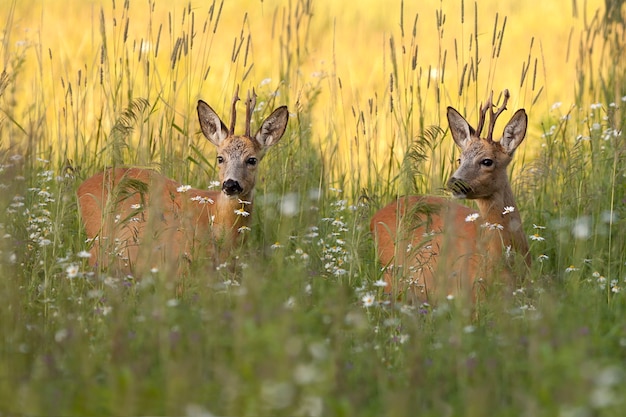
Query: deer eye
[458,161]
[251,161]
[220,159]
[487,162]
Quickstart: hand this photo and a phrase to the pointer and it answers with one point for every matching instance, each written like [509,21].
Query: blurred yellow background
[342,49]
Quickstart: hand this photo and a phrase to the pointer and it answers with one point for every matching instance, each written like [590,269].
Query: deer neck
[217,212]
[216,220]
[493,212]
[232,213]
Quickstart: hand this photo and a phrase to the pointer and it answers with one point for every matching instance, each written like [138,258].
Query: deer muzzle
[231,187]
[459,187]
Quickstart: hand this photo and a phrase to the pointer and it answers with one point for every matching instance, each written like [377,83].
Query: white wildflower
[615,288]
[61,335]
[368,300]
[582,227]
[469,329]
[492,226]
[472,217]
[202,200]
[290,303]
[241,212]
[72,271]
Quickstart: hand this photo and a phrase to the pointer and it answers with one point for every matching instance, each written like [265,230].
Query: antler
[483,112]
[493,116]
[233,114]
[250,103]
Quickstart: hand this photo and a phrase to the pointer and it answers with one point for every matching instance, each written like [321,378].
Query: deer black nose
[231,187]
[459,187]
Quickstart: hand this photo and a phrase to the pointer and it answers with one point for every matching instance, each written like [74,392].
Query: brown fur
[139,219]
[426,245]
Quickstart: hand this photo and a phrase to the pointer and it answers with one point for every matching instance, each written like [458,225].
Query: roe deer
[436,247]
[145,219]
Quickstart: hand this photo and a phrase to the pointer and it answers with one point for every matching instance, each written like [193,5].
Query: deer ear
[212,126]
[273,127]
[461,131]
[514,132]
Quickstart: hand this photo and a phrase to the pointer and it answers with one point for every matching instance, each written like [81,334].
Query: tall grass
[304,328]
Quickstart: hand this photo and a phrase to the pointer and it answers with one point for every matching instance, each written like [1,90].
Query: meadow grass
[304,329]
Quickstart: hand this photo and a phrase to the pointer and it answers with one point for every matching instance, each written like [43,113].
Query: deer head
[238,156]
[483,161]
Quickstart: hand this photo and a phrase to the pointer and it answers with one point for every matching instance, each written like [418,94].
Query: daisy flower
[368,300]
[472,217]
[202,200]
[493,226]
[72,271]
[241,212]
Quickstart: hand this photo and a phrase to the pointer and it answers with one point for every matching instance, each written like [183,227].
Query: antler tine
[250,103]
[233,114]
[483,113]
[493,116]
